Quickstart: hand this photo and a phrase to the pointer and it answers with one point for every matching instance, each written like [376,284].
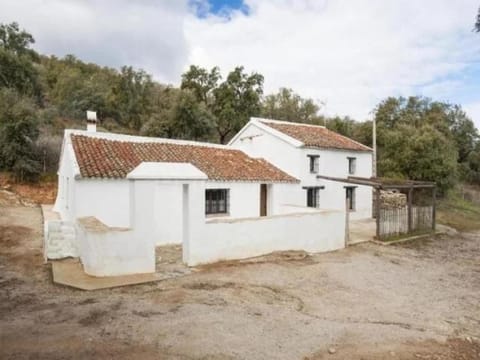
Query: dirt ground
[417,300]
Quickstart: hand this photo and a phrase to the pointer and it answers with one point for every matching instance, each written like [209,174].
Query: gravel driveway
[411,301]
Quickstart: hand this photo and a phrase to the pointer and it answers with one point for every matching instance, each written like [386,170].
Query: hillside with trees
[40,96]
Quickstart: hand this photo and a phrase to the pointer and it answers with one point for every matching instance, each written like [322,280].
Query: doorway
[263,199]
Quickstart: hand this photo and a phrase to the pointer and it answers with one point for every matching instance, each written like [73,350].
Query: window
[314,159]
[313,197]
[352,165]
[216,201]
[350,192]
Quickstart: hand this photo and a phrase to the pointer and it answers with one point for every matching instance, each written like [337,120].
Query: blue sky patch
[220,7]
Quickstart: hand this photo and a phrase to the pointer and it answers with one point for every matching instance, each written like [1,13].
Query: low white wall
[111,252]
[225,239]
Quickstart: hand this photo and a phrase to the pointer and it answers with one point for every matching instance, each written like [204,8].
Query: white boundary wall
[228,239]
[112,252]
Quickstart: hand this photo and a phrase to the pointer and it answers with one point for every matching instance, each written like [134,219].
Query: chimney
[91,121]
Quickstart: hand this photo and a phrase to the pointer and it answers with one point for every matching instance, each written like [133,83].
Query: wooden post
[434,208]
[378,212]
[409,209]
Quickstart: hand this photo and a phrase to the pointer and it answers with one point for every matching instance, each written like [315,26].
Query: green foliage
[132,95]
[74,87]
[17,68]
[420,140]
[18,133]
[227,105]
[289,106]
[417,138]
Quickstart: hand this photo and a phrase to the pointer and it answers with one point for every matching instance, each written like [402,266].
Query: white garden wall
[108,251]
[226,239]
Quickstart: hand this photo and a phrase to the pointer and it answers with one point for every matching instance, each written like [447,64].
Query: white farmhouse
[120,196]
[308,152]
[96,170]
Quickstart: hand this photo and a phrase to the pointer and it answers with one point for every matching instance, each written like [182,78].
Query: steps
[60,240]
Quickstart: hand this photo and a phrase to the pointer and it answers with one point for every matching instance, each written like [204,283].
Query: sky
[347,55]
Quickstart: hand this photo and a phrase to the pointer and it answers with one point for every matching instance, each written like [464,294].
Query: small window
[216,201]
[350,191]
[352,165]
[314,159]
[313,197]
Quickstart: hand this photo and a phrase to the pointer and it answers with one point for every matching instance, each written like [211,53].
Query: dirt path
[414,301]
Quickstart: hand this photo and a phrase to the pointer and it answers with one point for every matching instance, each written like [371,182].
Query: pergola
[380,184]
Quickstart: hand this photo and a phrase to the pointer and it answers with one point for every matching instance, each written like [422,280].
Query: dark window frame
[313,196]
[314,163]
[217,201]
[352,204]
[352,165]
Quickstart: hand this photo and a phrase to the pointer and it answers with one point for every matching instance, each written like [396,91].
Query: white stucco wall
[106,199]
[114,252]
[258,142]
[226,239]
[65,201]
[109,201]
[244,197]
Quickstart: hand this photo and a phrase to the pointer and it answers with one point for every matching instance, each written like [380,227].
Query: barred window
[352,165]
[217,201]
[313,197]
[314,159]
[351,201]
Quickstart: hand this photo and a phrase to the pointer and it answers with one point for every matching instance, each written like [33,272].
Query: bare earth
[418,300]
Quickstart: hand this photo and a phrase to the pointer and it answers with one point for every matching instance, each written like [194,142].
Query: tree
[414,141]
[201,82]
[229,104]
[192,120]
[236,100]
[17,60]
[289,106]
[18,134]
[132,96]
[464,132]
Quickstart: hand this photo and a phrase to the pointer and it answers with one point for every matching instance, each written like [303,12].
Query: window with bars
[313,197]
[314,160]
[217,201]
[350,192]
[352,165]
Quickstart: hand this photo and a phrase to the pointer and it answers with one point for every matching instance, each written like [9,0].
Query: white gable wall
[260,143]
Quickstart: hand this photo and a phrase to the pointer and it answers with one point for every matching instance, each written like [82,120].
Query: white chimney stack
[91,121]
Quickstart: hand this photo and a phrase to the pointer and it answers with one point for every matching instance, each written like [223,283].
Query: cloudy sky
[347,55]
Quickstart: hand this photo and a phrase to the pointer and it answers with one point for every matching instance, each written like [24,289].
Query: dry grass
[458,213]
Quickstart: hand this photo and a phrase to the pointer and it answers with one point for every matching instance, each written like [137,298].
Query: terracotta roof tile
[317,136]
[105,158]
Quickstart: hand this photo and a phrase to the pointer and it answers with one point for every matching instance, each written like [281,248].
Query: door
[263,199]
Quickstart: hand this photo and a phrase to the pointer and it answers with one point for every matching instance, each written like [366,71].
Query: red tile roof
[317,136]
[105,158]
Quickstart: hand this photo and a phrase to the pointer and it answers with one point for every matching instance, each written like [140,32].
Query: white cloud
[473,111]
[145,34]
[350,54]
